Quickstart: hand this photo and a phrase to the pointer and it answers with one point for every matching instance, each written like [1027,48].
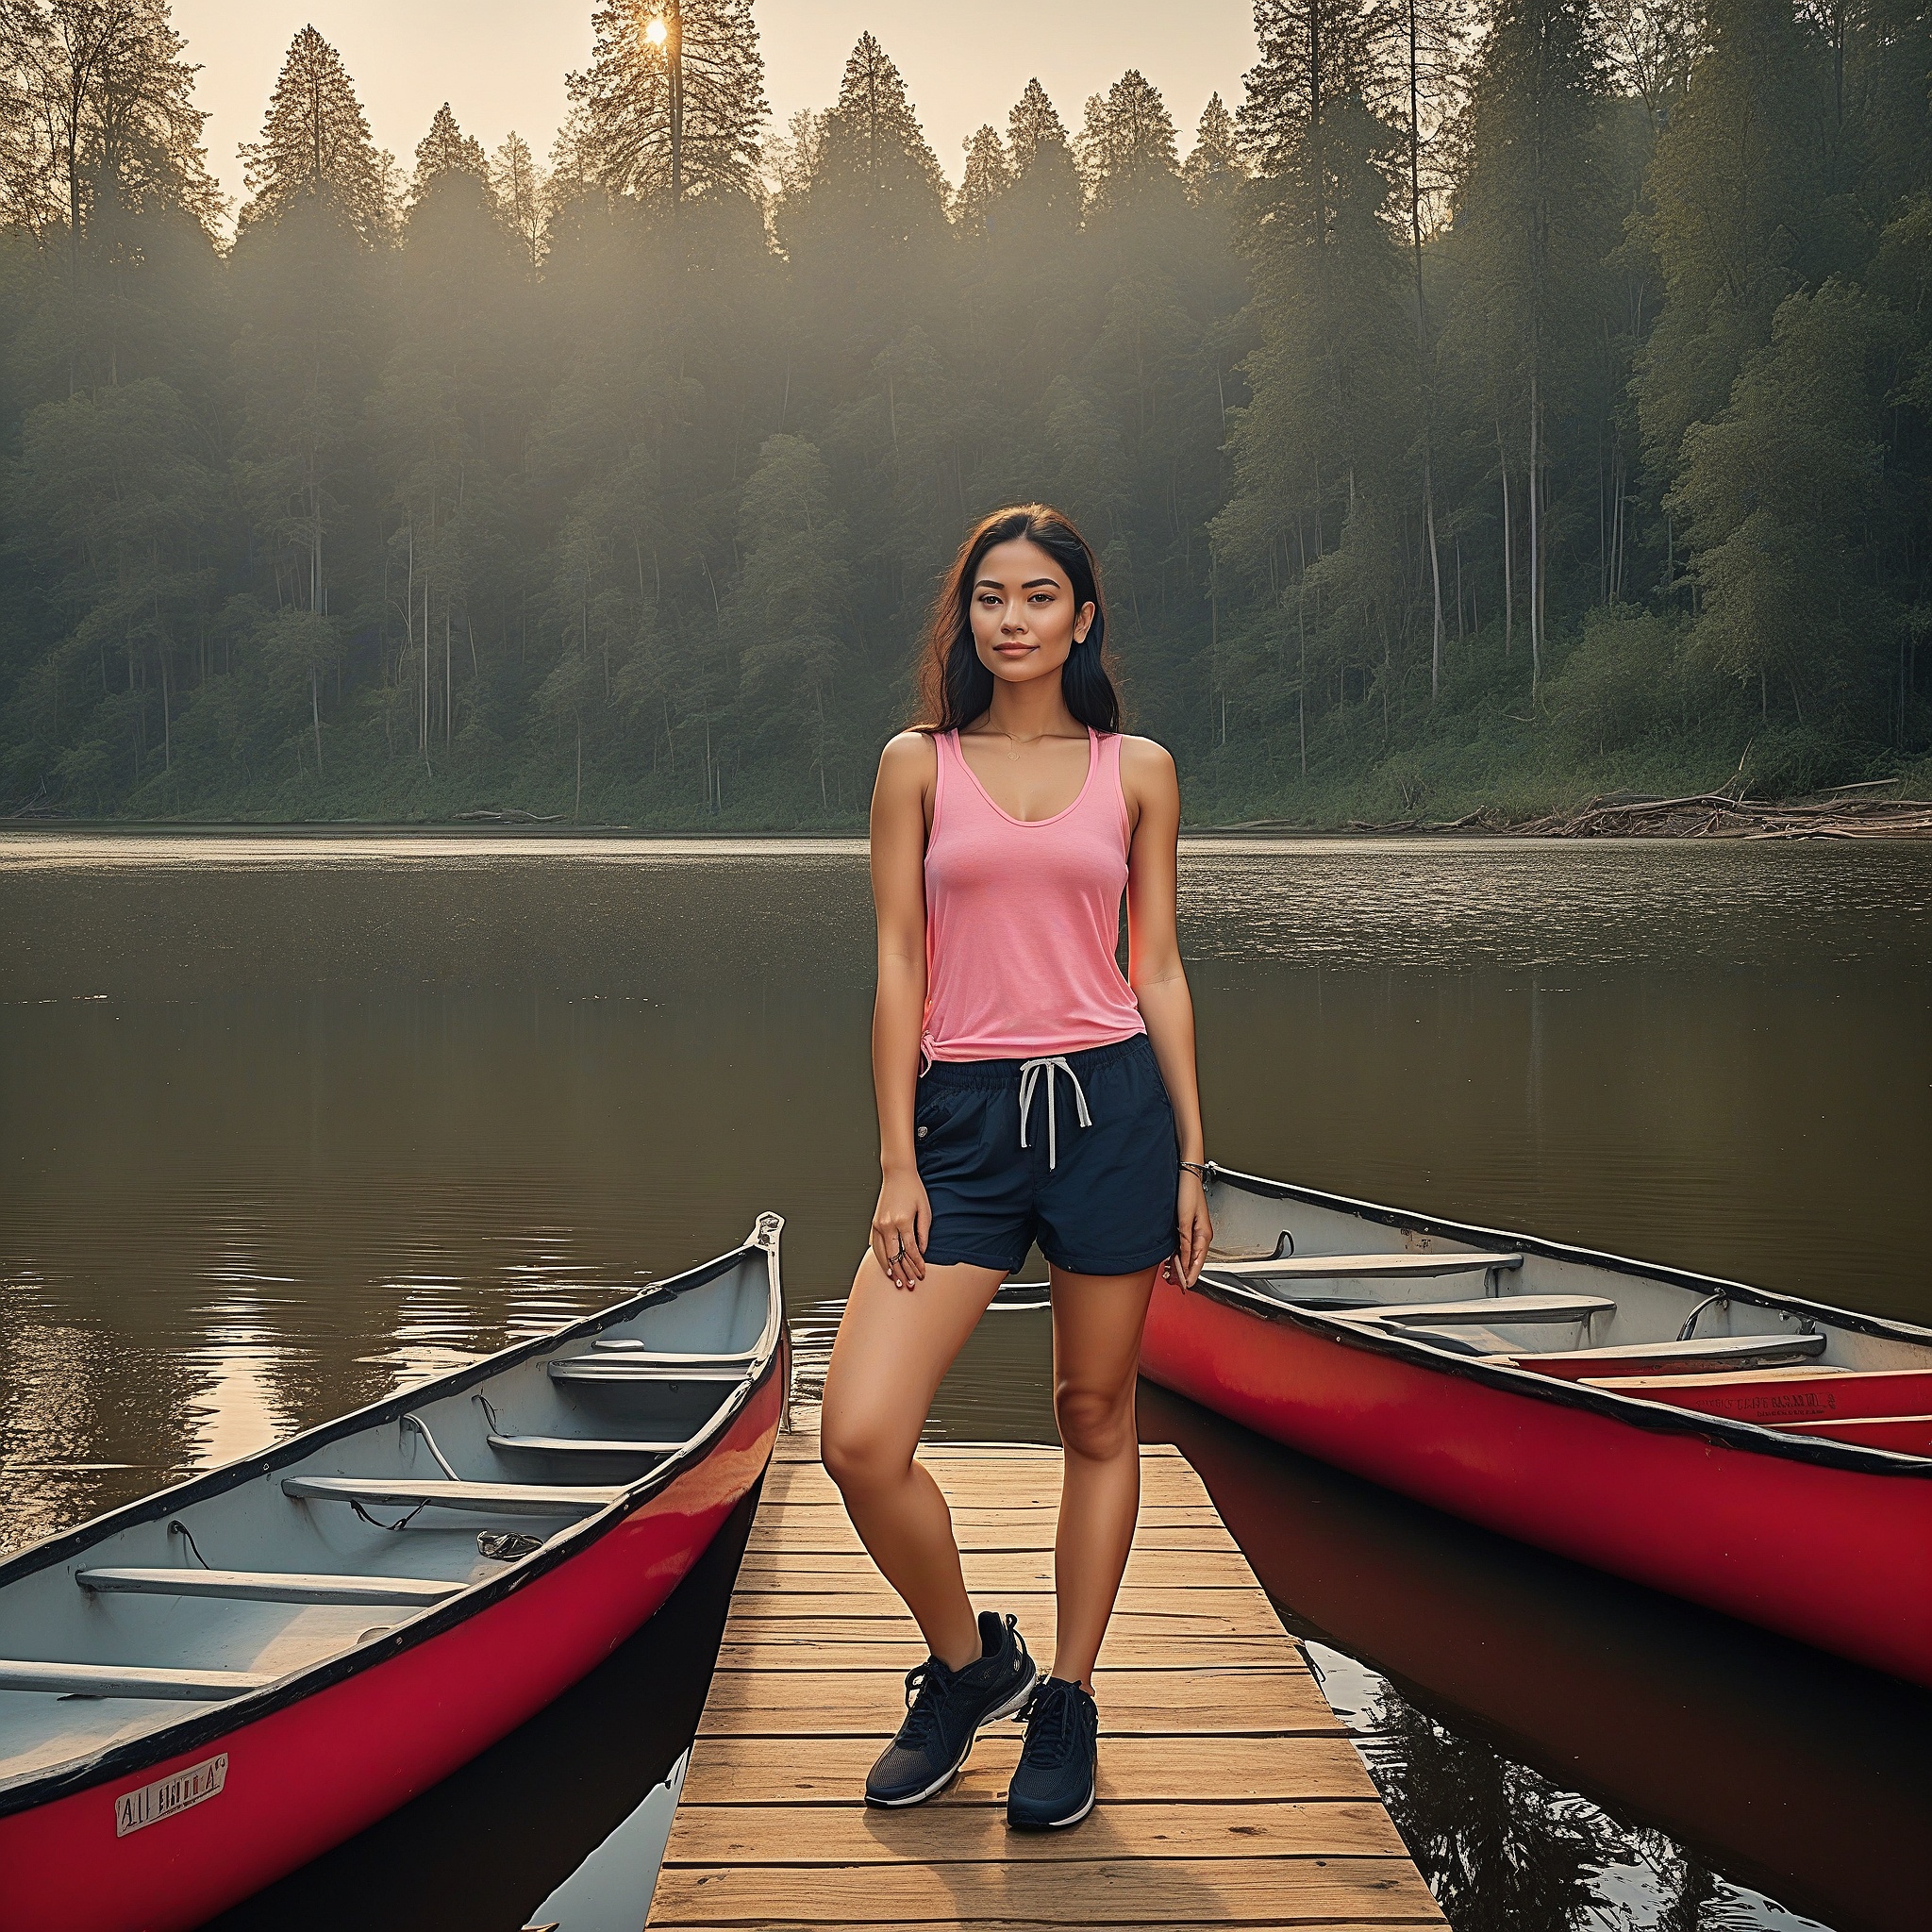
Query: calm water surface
[287,1119]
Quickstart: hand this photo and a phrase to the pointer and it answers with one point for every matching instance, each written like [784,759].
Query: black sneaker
[945,1710]
[1054,1783]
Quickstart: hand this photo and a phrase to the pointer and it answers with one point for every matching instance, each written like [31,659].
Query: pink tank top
[1021,920]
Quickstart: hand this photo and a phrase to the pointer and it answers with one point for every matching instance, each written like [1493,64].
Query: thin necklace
[1012,741]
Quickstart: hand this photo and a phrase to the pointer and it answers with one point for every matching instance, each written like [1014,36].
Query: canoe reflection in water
[1784,1770]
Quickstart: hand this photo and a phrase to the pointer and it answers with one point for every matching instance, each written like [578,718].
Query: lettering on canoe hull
[179,1792]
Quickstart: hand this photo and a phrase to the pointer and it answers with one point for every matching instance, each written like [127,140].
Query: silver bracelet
[1196,1167]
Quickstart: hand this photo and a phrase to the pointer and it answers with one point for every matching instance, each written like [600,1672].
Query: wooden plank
[853,1835]
[840,1539]
[801,1646]
[1228,1793]
[1237,1612]
[995,1570]
[1324,1924]
[771,1771]
[1132,1892]
[1011,1487]
[870,1703]
[966,1509]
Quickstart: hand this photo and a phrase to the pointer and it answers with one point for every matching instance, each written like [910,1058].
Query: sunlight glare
[655,31]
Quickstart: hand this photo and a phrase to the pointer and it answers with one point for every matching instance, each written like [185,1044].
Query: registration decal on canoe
[167,1796]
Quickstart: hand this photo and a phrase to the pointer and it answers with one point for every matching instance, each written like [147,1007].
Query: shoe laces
[930,1690]
[1053,1725]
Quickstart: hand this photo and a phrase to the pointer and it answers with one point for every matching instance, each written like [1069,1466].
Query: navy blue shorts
[1105,1206]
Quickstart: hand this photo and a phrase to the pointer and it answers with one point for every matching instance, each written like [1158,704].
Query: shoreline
[1621,817]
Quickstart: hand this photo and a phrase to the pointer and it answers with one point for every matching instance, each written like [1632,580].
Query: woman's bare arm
[903,1216]
[1158,978]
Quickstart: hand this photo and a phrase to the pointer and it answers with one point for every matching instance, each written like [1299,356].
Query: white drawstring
[1030,1072]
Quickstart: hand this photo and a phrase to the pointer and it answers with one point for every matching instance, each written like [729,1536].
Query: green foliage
[1785,505]
[1457,430]
[315,144]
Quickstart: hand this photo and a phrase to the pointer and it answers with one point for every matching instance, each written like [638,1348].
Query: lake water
[285,1120]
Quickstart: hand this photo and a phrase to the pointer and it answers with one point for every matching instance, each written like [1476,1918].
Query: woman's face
[1025,619]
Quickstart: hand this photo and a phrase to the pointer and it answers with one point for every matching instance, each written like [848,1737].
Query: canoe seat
[127,1680]
[1714,1351]
[269,1586]
[1361,1267]
[621,1368]
[638,1351]
[1505,1310]
[488,1499]
[581,1445]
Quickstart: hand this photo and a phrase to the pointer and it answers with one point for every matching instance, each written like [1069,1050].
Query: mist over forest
[1484,406]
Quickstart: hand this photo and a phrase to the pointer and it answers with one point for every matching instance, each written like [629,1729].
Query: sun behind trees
[1484,408]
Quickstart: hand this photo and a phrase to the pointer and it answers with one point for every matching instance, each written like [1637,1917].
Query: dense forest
[1497,404]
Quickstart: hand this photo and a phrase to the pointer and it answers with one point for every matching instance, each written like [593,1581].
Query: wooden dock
[1229,1793]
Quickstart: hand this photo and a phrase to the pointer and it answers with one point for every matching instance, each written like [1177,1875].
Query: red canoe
[203,1690]
[1685,1432]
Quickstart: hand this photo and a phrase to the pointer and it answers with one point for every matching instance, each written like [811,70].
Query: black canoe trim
[1658,1417]
[217,1720]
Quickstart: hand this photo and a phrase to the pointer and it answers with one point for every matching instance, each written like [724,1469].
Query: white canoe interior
[1623,1328]
[114,1635]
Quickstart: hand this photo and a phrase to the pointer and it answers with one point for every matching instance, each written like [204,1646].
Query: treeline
[1492,406]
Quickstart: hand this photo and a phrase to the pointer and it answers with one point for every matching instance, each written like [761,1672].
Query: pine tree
[874,148]
[523,193]
[1046,176]
[1128,139]
[987,177]
[1033,126]
[315,143]
[1312,52]
[673,101]
[447,150]
[1216,166]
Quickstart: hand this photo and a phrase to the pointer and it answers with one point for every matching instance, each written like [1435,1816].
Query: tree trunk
[1509,549]
[1535,584]
[1436,578]
[673,61]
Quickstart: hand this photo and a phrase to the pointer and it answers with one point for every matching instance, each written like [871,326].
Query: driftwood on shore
[1843,814]
[1840,813]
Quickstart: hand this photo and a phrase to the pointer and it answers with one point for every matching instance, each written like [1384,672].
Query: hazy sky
[500,63]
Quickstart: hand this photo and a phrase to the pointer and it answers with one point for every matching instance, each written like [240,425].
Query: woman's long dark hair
[955,686]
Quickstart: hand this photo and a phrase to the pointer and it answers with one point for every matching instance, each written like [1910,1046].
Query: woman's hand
[1197,1232]
[899,1224]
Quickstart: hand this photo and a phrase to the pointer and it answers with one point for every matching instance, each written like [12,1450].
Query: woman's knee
[1097,1423]
[860,1454]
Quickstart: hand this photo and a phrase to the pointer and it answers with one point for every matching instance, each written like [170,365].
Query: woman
[1025,1089]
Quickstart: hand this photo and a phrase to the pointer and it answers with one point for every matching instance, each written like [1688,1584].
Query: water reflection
[288,1119]
[1503,1847]
[1560,1748]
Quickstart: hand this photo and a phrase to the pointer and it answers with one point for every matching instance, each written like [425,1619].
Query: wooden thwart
[1229,1793]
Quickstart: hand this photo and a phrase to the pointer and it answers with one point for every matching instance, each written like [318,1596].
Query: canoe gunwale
[215,1721]
[1659,1417]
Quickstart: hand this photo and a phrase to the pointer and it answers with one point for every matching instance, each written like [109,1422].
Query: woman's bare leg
[1098,1321]
[894,1345]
